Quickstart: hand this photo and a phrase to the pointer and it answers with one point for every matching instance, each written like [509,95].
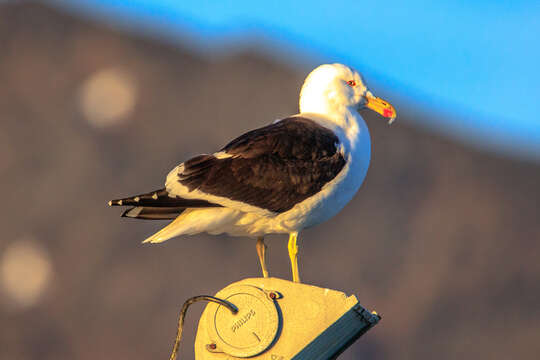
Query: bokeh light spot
[25,272]
[107,97]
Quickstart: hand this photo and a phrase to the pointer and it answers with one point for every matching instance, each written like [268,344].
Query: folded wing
[266,170]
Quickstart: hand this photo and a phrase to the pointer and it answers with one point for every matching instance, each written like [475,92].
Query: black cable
[188,302]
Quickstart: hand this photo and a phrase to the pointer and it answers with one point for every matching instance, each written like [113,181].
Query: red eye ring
[351,83]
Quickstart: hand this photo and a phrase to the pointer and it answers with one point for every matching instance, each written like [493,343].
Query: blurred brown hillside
[442,240]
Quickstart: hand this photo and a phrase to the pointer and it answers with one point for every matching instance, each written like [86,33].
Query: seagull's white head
[335,88]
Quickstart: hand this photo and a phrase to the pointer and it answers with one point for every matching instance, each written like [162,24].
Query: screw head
[272,295]
[212,346]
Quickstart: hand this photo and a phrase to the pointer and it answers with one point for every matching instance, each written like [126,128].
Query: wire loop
[183,311]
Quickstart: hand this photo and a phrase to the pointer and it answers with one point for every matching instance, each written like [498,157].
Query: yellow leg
[293,255]
[261,251]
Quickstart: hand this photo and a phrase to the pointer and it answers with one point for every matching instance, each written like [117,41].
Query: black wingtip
[160,198]
[118,202]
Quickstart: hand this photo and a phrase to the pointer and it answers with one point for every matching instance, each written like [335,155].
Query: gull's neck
[347,119]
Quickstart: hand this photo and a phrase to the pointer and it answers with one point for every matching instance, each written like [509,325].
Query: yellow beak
[382,107]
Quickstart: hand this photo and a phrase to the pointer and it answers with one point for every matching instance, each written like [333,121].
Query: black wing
[273,168]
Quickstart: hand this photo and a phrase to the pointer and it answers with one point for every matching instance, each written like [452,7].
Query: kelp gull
[279,179]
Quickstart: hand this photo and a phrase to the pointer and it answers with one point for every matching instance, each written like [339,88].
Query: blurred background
[100,99]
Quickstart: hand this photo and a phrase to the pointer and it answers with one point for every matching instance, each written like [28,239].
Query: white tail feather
[194,221]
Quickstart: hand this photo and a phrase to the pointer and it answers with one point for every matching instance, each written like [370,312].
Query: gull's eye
[351,83]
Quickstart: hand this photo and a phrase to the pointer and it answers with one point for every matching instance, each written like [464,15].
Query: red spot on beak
[387,113]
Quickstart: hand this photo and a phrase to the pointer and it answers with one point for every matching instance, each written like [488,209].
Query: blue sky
[472,66]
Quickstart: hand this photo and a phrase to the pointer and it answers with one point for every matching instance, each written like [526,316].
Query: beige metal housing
[278,320]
